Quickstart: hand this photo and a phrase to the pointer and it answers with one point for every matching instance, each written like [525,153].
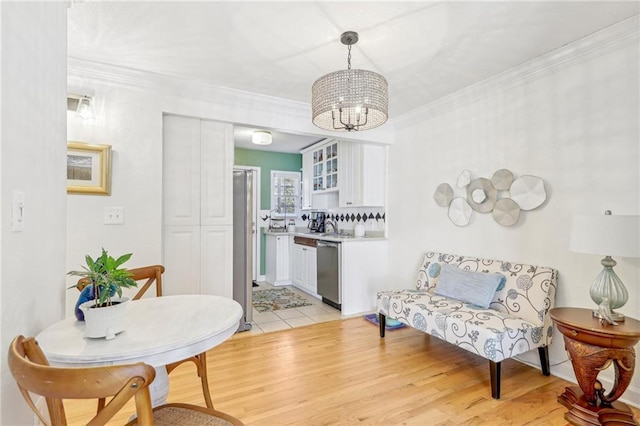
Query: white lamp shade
[607,235]
[261,137]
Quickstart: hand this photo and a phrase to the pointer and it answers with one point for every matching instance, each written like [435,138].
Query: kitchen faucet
[333,224]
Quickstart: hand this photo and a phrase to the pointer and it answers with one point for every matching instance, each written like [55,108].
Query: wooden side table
[593,347]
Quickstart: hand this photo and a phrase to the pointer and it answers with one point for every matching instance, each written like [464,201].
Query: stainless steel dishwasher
[328,263]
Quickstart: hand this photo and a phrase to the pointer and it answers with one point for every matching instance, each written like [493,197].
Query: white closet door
[216,260]
[181,260]
[181,170]
[216,173]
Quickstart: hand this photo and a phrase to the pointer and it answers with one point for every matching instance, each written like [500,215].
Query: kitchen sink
[336,235]
[277,230]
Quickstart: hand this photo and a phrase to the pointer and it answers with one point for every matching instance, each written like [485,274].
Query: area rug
[275,299]
[390,325]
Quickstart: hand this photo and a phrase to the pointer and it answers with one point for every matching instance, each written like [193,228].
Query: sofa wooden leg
[544,360]
[494,368]
[382,321]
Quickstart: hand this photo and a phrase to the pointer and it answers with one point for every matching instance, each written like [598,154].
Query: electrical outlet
[114,215]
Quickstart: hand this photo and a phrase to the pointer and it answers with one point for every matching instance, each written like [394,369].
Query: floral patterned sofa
[516,321]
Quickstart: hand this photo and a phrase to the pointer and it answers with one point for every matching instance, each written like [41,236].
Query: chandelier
[349,100]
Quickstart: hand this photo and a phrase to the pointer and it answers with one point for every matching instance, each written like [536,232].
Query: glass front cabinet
[343,174]
[325,167]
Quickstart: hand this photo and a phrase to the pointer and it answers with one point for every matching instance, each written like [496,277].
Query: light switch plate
[114,215]
[17,211]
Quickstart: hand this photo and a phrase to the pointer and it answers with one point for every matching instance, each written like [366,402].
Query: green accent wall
[267,161]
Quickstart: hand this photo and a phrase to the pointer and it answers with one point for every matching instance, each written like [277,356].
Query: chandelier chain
[349,58]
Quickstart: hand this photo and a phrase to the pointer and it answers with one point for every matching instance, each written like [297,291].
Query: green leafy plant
[106,276]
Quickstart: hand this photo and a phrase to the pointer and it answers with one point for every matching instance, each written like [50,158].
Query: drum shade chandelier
[349,100]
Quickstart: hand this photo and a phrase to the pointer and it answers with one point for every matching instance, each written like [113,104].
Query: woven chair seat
[187,414]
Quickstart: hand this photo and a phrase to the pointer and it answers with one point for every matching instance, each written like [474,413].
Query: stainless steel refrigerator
[243,243]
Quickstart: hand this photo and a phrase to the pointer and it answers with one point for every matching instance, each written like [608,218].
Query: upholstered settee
[491,308]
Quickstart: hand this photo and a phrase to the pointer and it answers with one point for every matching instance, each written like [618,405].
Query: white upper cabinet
[356,171]
[307,179]
[321,161]
[362,175]
[197,168]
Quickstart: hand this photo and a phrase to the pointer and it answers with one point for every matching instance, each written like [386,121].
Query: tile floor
[293,317]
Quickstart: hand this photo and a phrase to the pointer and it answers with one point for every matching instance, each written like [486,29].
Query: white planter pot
[107,321]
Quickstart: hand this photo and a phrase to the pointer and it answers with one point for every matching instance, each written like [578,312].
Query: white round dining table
[159,331]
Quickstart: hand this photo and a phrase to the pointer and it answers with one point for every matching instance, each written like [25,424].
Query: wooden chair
[153,274]
[33,374]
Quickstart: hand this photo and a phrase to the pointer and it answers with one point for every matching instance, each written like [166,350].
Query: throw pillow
[476,288]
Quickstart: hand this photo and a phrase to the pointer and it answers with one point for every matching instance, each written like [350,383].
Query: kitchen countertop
[336,238]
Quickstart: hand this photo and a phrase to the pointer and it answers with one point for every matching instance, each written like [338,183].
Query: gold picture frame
[88,168]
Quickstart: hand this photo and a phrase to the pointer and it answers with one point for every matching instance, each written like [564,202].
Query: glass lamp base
[614,316]
[608,292]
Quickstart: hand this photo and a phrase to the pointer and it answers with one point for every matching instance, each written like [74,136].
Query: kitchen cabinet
[197,206]
[343,174]
[320,162]
[307,180]
[361,175]
[363,273]
[304,268]
[277,258]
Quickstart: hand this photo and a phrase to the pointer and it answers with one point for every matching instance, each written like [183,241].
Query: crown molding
[183,88]
[80,71]
[611,38]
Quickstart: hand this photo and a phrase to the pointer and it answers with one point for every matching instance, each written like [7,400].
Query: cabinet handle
[574,333]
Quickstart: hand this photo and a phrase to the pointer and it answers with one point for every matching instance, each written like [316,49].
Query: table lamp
[607,235]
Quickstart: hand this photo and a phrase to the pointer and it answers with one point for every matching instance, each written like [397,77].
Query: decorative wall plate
[506,212]
[502,179]
[528,191]
[460,212]
[486,205]
[464,179]
[443,195]
[478,195]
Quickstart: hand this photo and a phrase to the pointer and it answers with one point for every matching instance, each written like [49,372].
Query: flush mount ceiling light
[261,137]
[349,100]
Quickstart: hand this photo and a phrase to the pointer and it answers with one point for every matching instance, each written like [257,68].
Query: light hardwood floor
[342,373]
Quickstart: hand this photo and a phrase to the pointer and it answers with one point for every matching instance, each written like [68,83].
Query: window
[285,194]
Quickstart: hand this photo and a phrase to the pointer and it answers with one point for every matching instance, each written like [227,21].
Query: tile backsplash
[373,218]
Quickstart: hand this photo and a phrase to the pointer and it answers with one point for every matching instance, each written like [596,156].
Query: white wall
[33,158]
[571,118]
[129,107]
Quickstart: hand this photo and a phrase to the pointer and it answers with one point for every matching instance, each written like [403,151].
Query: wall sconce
[82,105]
[85,108]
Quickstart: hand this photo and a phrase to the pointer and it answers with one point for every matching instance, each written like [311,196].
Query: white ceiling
[281,142]
[426,50]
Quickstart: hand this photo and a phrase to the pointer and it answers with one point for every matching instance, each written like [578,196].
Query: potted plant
[104,314]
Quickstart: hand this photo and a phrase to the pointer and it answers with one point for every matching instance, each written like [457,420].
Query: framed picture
[88,168]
